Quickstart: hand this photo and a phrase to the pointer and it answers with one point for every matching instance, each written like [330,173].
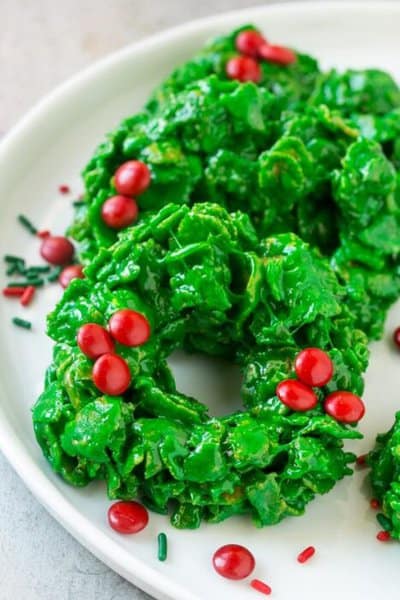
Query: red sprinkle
[362,460]
[27,296]
[383,536]
[249,42]
[260,586]
[345,407]
[296,395]
[233,561]
[374,504]
[43,234]
[70,273]
[13,291]
[128,517]
[277,54]
[64,189]
[314,367]
[243,68]
[306,554]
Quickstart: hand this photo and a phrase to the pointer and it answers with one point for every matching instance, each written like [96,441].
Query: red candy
[233,561]
[64,189]
[374,504]
[396,337]
[243,68]
[129,327]
[314,367]
[94,340]
[249,42]
[128,517]
[383,536]
[119,211]
[70,273]
[277,54]
[345,407]
[362,460]
[132,178]
[57,250]
[306,554]
[296,395]
[111,374]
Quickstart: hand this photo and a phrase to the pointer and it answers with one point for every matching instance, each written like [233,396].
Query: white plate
[49,147]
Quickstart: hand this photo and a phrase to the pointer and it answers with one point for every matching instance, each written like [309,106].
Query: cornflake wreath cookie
[199,279]
[384,461]
[297,149]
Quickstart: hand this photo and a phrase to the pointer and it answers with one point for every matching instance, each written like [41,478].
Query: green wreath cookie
[205,283]
[300,150]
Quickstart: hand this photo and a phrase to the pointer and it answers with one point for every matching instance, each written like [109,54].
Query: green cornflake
[162,547]
[384,521]
[22,323]
[27,224]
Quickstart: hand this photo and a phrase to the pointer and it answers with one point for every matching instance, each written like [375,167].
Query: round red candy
[128,517]
[132,178]
[314,367]
[344,407]
[243,68]
[94,340]
[111,374]
[57,250]
[233,561]
[249,42]
[277,54]
[129,327]
[70,273]
[296,395]
[119,211]
[396,337]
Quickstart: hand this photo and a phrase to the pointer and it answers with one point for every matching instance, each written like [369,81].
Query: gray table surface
[42,43]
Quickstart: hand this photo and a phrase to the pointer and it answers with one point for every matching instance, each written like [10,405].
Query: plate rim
[40,485]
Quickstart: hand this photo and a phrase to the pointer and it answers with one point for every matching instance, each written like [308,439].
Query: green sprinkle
[39,269]
[10,258]
[27,224]
[54,275]
[162,546]
[13,269]
[22,323]
[37,282]
[384,522]
[78,203]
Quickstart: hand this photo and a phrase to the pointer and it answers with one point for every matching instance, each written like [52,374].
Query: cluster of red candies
[314,368]
[59,251]
[254,47]
[131,179]
[111,374]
